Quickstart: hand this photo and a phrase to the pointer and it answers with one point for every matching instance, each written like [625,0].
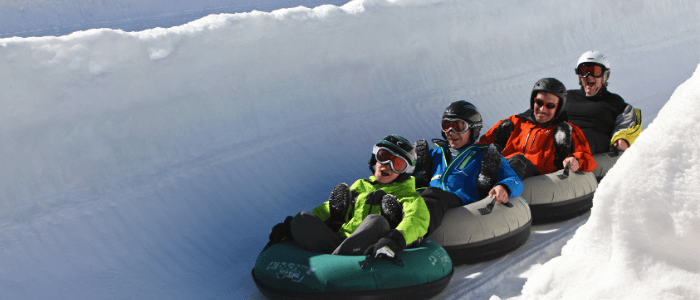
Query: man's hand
[574,163]
[500,193]
[621,144]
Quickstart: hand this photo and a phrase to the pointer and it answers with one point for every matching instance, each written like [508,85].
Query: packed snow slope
[152,164]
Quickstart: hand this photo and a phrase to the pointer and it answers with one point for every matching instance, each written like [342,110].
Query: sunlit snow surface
[152,164]
[27,18]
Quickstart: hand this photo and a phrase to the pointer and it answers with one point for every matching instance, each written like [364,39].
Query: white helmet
[597,58]
[594,57]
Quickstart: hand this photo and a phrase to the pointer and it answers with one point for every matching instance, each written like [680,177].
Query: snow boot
[424,164]
[490,165]
[503,132]
[338,203]
[392,210]
[562,143]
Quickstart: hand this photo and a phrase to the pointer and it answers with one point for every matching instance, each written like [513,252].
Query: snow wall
[27,18]
[153,164]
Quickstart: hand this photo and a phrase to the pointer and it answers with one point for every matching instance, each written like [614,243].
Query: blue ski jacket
[459,175]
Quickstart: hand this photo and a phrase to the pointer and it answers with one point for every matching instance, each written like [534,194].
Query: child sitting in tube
[377,216]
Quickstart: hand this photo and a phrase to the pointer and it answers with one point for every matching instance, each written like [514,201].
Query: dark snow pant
[438,202]
[523,166]
[314,235]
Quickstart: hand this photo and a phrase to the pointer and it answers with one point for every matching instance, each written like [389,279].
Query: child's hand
[389,247]
[500,193]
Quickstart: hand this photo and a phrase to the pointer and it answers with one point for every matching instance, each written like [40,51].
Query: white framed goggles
[397,163]
[459,126]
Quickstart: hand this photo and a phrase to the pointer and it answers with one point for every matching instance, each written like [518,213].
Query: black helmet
[553,86]
[466,112]
[401,146]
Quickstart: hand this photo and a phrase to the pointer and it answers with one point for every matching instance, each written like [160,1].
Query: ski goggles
[547,105]
[385,156]
[457,125]
[583,70]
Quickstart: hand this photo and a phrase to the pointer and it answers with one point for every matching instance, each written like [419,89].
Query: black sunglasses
[547,105]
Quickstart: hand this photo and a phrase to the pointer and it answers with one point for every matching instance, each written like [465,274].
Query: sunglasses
[547,105]
[594,70]
[385,156]
[456,125]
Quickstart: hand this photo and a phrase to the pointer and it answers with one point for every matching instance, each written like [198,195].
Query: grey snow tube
[469,236]
[559,195]
[604,162]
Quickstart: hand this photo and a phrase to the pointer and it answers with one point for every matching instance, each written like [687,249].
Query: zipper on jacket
[442,180]
[527,140]
[533,140]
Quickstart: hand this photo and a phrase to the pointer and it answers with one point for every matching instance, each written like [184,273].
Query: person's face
[543,114]
[383,173]
[458,140]
[591,85]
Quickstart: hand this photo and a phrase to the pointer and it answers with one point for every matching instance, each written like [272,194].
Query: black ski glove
[424,164]
[375,197]
[389,247]
[281,231]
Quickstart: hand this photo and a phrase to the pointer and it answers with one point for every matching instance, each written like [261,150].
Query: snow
[26,18]
[152,164]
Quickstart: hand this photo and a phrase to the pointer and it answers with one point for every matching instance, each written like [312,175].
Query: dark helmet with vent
[553,86]
[466,112]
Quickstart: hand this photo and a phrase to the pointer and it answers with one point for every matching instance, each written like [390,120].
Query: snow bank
[641,241]
[27,18]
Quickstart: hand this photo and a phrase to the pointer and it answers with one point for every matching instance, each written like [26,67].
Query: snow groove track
[480,281]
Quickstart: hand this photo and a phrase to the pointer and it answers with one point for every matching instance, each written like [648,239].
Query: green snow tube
[287,271]
[559,195]
[604,161]
[471,233]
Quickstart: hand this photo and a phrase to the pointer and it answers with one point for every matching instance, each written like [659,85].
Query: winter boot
[490,164]
[338,203]
[424,164]
[392,210]
[503,132]
[562,143]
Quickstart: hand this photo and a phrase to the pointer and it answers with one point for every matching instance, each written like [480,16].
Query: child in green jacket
[375,216]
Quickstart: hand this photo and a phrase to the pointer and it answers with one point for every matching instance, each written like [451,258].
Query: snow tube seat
[287,271]
[559,195]
[604,162]
[470,236]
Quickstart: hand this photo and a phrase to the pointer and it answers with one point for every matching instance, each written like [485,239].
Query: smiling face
[541,112]
[383,173]
[591,85]
[458,140]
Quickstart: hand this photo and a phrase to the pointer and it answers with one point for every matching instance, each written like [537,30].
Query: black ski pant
[523,166]
[314,235]
[438,202]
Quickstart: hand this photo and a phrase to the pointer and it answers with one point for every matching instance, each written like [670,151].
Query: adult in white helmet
[607,121]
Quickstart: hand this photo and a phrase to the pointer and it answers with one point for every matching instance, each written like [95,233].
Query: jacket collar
[400,179]
[601,92]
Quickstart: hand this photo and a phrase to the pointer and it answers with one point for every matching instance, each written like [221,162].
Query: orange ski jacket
[536,142]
